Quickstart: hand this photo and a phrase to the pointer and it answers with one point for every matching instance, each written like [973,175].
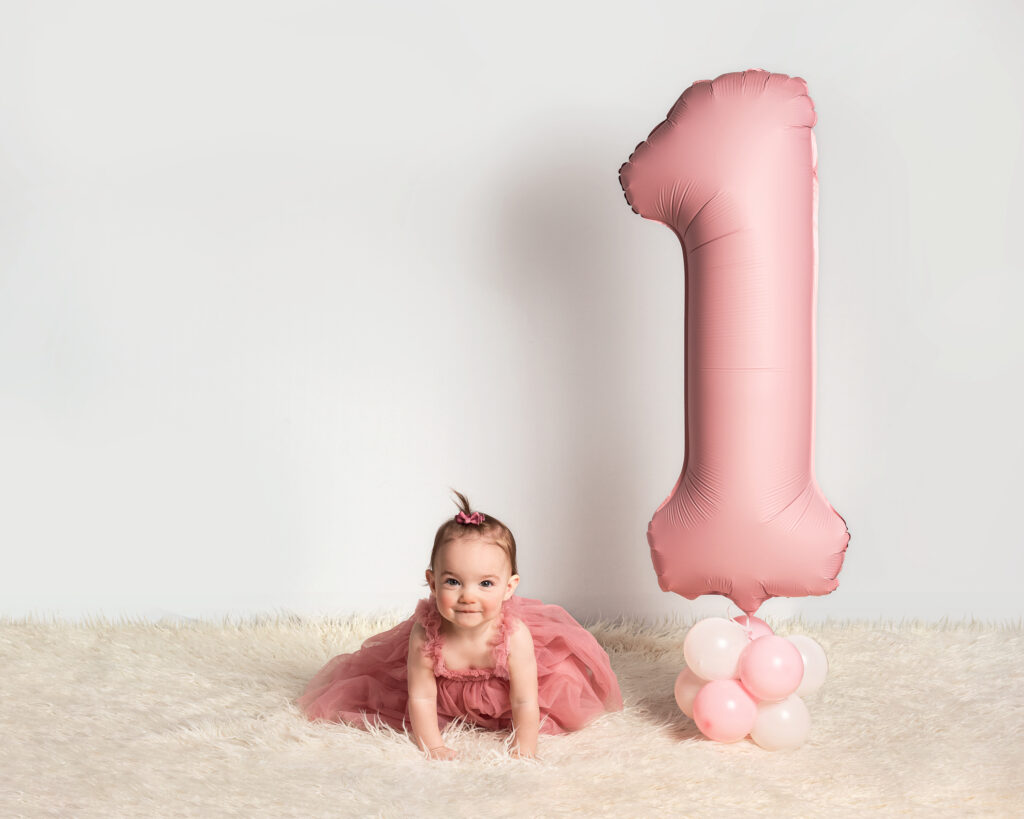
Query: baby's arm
[423,698]
[522,676]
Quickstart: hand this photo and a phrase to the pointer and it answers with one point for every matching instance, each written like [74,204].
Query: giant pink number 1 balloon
[733,171]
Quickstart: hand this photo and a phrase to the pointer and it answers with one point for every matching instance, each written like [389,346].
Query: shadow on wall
[557,259]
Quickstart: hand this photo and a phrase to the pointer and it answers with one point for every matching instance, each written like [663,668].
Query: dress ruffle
[430,617]
[575,682]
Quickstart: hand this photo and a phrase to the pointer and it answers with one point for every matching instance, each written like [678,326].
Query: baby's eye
[451,581]
[486,583]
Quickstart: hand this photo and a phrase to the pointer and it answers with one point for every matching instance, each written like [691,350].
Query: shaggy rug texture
[196,719]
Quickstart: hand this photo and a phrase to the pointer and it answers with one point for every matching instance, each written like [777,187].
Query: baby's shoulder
[521,659]
[519,634]
[418,643]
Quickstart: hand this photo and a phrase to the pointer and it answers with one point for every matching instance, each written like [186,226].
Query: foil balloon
[732,171]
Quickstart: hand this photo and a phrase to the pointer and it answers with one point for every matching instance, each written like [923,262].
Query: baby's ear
[513,581]
[430,579]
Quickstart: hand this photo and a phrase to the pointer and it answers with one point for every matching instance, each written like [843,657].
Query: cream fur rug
[133,719]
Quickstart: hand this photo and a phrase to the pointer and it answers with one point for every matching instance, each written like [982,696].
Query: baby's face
[471,579]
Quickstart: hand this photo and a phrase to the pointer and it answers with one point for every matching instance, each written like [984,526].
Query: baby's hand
[442,752]
[521,753]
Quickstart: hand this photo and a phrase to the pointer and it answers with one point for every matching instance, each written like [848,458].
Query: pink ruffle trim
[430,617]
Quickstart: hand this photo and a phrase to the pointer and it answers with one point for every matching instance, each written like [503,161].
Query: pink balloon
[754,626]
[687,686]
[724,711]
[771,668]
[732,172]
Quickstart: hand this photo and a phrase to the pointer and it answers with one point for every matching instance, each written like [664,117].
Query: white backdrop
[273,276]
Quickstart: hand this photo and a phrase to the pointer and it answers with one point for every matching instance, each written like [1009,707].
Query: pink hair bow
[475,518]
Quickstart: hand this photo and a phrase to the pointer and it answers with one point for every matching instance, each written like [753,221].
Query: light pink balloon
[754,626]
[771,668]
[724,711]
[781,725]
[686,688]
[732,172]
[713,646]
[815,664]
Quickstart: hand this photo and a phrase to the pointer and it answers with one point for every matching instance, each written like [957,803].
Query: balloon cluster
[741,678]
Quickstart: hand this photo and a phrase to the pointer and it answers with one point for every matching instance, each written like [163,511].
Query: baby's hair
[490,529]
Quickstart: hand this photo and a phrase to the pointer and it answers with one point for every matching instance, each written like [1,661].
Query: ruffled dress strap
[509,618]
[428,616]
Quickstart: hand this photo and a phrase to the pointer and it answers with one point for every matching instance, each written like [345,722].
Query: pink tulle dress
[575,681]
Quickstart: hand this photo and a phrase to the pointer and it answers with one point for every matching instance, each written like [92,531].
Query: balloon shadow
[557,256]
[648,689]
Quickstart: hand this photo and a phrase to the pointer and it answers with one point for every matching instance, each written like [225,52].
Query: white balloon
[687,686]
[815,664]
[781,725]
[713,646]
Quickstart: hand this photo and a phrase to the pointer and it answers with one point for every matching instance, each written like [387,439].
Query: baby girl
[472,650]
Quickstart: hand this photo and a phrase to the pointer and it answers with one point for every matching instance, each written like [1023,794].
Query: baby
[472,650]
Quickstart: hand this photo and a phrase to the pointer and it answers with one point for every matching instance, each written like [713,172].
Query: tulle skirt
[575,682]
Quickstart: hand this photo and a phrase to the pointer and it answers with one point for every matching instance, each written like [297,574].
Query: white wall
[273,276]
